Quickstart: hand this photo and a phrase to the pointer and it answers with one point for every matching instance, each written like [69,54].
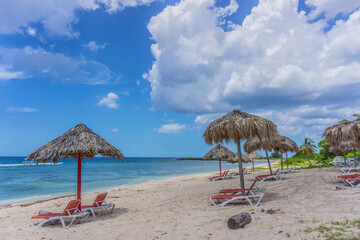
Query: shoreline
[45,198]
[180,209]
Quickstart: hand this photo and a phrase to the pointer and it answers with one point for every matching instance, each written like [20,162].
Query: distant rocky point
[194,159]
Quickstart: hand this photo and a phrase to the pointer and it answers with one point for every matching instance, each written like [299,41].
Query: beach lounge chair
[71,212]
[349,169]
[338,161]
[353,182]
[224,199]
[347,177]
[350,161]
[224,176]
[234,191]
[237,173]
[276,175]
[289,170]
[98,205]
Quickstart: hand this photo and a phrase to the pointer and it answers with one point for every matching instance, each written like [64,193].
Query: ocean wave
[28,164]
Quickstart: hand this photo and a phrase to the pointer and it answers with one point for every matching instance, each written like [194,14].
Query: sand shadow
[78,222]
[104,215]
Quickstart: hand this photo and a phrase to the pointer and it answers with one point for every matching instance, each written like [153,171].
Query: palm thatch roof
[345,147]
[288,145]
[220,152]
[244,158]
[277,143]
[253,155]
[79,139]
[237,126]
[254,143]
[343,131]
[335,134]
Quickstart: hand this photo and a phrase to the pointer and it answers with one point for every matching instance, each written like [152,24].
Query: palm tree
[307,148]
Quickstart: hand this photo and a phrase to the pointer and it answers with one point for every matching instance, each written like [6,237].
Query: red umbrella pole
[79,179]
[220,166]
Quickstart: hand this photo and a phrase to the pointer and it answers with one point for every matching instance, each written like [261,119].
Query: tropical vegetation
[324,154]
[308,148]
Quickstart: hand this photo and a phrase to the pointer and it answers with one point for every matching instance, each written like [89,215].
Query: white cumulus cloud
[6,74]
[31,31]
[57,16]
[21,109]
[331,8]
[36,62]
[278,62]
[110,101]
[93,46]
[171,128]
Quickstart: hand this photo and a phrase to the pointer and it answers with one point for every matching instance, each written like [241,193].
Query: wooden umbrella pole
[240,167]
[287,162]
[281,161]
[220,166]
[268,160]
[346,163]
[355,162]
[79,179]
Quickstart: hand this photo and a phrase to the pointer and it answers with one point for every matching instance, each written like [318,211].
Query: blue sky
[150,75]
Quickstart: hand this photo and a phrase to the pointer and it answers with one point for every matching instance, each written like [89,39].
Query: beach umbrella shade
[238,126]
[344,132]
[221,153]
[245,159]
[267,144]
[288,145]
[346,147]
[252,156]
[277,143]
[78,142]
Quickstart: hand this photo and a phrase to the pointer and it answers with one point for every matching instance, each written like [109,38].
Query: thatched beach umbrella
[245,159]
[78,142]
[221,153]
[252,156]
[343,131]
[346,147]
[267,144]
[288,145]
[344,135]
[336,134]
[277,143]
[238,126]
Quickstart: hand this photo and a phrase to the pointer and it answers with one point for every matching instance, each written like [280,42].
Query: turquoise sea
[23,182]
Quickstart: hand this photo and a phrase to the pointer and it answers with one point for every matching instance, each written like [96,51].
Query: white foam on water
[29,164]
[25,200]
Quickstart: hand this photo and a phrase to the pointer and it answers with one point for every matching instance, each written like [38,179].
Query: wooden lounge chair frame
[99,204]
[251,197]
[71,212]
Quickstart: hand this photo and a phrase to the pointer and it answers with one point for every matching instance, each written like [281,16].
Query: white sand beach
[180,209]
